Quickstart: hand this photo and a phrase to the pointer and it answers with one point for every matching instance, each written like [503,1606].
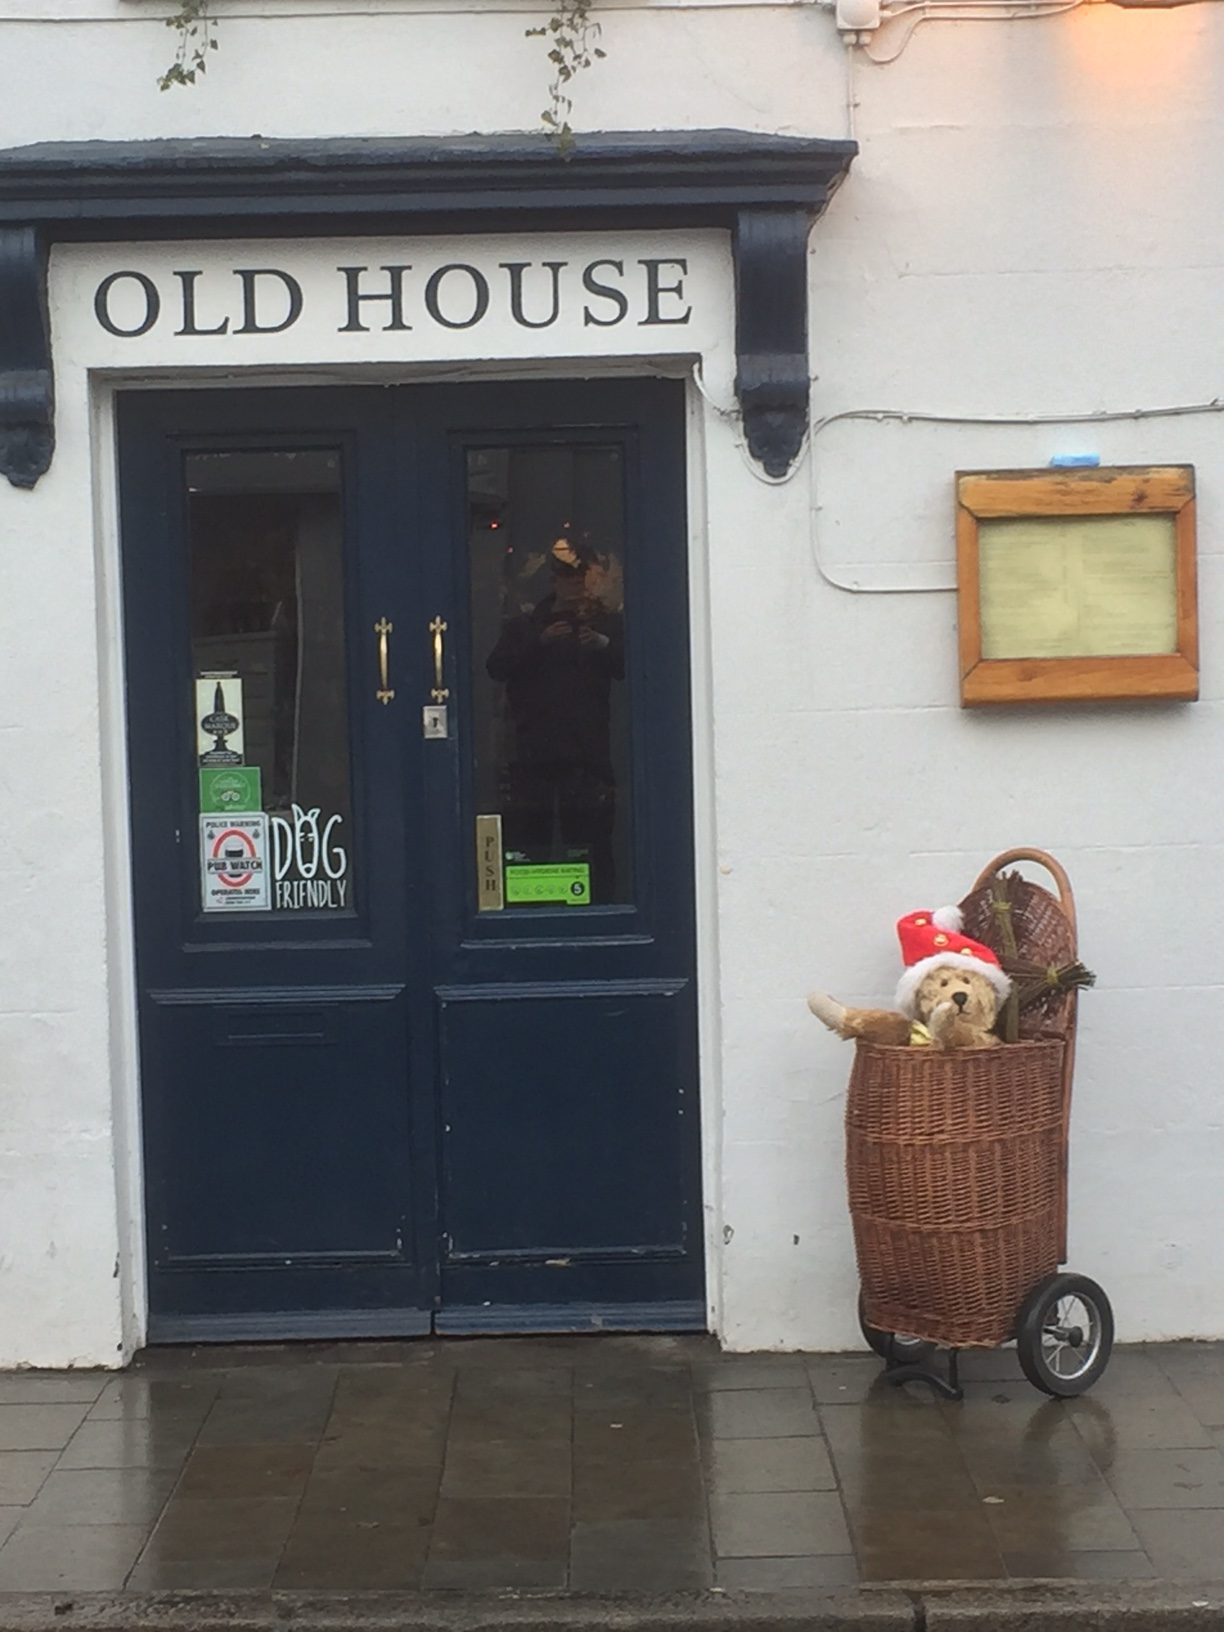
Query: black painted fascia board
[766,190]
[706,176]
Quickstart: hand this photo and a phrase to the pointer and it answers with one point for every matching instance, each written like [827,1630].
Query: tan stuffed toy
[948,997]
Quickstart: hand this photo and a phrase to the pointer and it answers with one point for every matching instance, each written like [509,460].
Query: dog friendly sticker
[310,861]
[234,863]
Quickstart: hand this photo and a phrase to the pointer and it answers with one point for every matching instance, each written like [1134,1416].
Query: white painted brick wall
[1033,226]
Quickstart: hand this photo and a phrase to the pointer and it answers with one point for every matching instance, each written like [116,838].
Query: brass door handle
[382,629]
[437,629]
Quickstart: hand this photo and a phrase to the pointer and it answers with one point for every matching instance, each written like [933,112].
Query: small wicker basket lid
[1044,938]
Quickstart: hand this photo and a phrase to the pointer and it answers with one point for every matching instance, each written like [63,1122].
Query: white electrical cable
[949,10]
[735,418]
[699,382]
[792,472]
[973,11]
[905,417]
[807,451]
[850,119]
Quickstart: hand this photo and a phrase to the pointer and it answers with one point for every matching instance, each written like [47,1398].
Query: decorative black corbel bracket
[771,332]
[27,389]
[767,190]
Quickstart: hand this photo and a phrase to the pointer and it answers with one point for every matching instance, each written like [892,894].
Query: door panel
[532,1083]
[549,698]
[569,1180]
[263,1196]
[290,1184]
[267,604]
[367,1102]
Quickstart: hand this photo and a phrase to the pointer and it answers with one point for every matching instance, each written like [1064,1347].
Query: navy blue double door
[411,808]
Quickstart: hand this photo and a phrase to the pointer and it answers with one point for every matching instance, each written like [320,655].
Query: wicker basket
[956,1163]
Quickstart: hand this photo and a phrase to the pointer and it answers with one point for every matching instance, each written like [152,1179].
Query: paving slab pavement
[566,1470]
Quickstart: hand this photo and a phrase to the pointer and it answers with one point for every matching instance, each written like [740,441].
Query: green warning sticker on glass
[230,787]
[565,883]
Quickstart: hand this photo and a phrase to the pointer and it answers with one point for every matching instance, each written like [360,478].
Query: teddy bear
[949,994]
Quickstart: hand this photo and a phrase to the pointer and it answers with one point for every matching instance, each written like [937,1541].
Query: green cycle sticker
[226,788]
[564,883]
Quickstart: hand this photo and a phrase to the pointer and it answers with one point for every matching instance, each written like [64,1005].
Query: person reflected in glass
[558,663]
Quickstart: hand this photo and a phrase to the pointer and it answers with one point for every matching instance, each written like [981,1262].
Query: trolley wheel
[894,1347]
[1064,1335]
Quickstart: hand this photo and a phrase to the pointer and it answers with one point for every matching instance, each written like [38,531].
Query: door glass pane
[550,705]
[267,637]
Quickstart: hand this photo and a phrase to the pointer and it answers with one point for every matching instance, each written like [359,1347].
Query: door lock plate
[433,721]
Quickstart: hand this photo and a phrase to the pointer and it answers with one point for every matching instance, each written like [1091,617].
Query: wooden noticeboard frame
[1165,668]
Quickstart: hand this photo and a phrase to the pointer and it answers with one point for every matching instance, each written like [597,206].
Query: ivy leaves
[572,38]
[196,40]
[572,46]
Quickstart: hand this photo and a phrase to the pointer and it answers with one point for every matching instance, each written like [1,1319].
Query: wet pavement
[600,1464]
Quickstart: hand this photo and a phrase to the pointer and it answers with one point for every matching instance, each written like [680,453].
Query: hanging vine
[572,46]
[196,40]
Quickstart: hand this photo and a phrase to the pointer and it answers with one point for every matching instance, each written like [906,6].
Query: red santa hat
[932,940]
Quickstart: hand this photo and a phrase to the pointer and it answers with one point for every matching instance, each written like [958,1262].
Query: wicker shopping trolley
[956,1166]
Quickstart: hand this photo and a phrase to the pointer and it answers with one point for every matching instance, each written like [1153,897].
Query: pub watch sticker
[234,863]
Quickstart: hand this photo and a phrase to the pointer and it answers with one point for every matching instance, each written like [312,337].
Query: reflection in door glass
[267,639]
[550,714]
